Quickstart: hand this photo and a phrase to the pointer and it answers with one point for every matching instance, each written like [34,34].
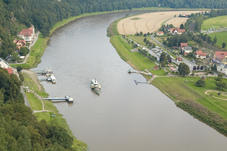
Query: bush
[23,51]
[200,83]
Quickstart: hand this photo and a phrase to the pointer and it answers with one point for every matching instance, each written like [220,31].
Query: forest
[19,129]
[43,14]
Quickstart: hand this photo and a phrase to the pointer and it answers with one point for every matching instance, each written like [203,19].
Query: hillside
[16,14]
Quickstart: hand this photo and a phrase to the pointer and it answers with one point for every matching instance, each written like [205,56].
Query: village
[200,60]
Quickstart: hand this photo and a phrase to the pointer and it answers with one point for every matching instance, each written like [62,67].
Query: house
[180,31]
[187,50]
[220,57]
[222,68]
[9,70]
[200,54]
[5,65]
[176,31]
[27,34]
[182,45]
[160,33]
[20,43]
[171,30]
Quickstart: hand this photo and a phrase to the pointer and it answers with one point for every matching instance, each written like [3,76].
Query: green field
[193,99]
[221,37]
[215,22]
[135,59]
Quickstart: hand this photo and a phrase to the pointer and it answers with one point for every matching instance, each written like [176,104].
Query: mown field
[221,38]
[215,22]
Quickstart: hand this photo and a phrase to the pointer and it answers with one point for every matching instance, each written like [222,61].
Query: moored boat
[95,86]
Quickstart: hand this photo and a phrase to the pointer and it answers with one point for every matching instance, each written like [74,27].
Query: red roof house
[160,33]
[180,31]
[200,54]
[221,56]
[182,45]
[27,34]
[20,43]
[9,70]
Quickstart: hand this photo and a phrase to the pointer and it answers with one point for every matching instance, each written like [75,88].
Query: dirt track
[151,22]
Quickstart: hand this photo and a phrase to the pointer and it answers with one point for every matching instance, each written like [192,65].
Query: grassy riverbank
[135,59]
[182,90]
[51,114]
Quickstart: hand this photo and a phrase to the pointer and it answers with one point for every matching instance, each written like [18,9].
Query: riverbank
[45,110]
[33,89]
[181,90]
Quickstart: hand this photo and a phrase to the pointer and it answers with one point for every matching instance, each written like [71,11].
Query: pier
[58,99]
[140,72]
[47,72]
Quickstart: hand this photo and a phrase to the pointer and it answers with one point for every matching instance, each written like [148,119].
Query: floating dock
[47,72]
[140,72]
[58,99]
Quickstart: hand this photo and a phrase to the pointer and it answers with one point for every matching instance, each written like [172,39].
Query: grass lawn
[135,59]
[215,22]
[35,86]
[184,89]
[221,37]
[34,102]
[138,39]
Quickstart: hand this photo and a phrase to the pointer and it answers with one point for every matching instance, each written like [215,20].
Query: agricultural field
[221,38]
[151,22]
[215,23]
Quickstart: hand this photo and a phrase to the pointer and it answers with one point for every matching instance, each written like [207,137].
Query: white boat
[95,86]
[52,79]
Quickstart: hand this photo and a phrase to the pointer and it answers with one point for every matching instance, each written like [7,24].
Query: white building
[27,34]
[222,68]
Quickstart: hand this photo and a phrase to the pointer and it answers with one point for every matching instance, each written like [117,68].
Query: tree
[214,68]
[23,51]
[200,83]
[163,59]
[183,69]
[182,26]
[215,40]
[223,45]
[221,85]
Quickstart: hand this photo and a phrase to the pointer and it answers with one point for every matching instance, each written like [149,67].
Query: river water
[126,116]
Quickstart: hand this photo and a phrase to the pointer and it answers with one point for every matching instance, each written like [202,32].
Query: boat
[95,86]
[52,79]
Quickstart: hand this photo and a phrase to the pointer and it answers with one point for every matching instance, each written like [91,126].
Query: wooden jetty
[140,72]
[47,72]
[58,99]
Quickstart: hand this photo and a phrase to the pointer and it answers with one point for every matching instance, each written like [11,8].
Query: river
[126,116]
